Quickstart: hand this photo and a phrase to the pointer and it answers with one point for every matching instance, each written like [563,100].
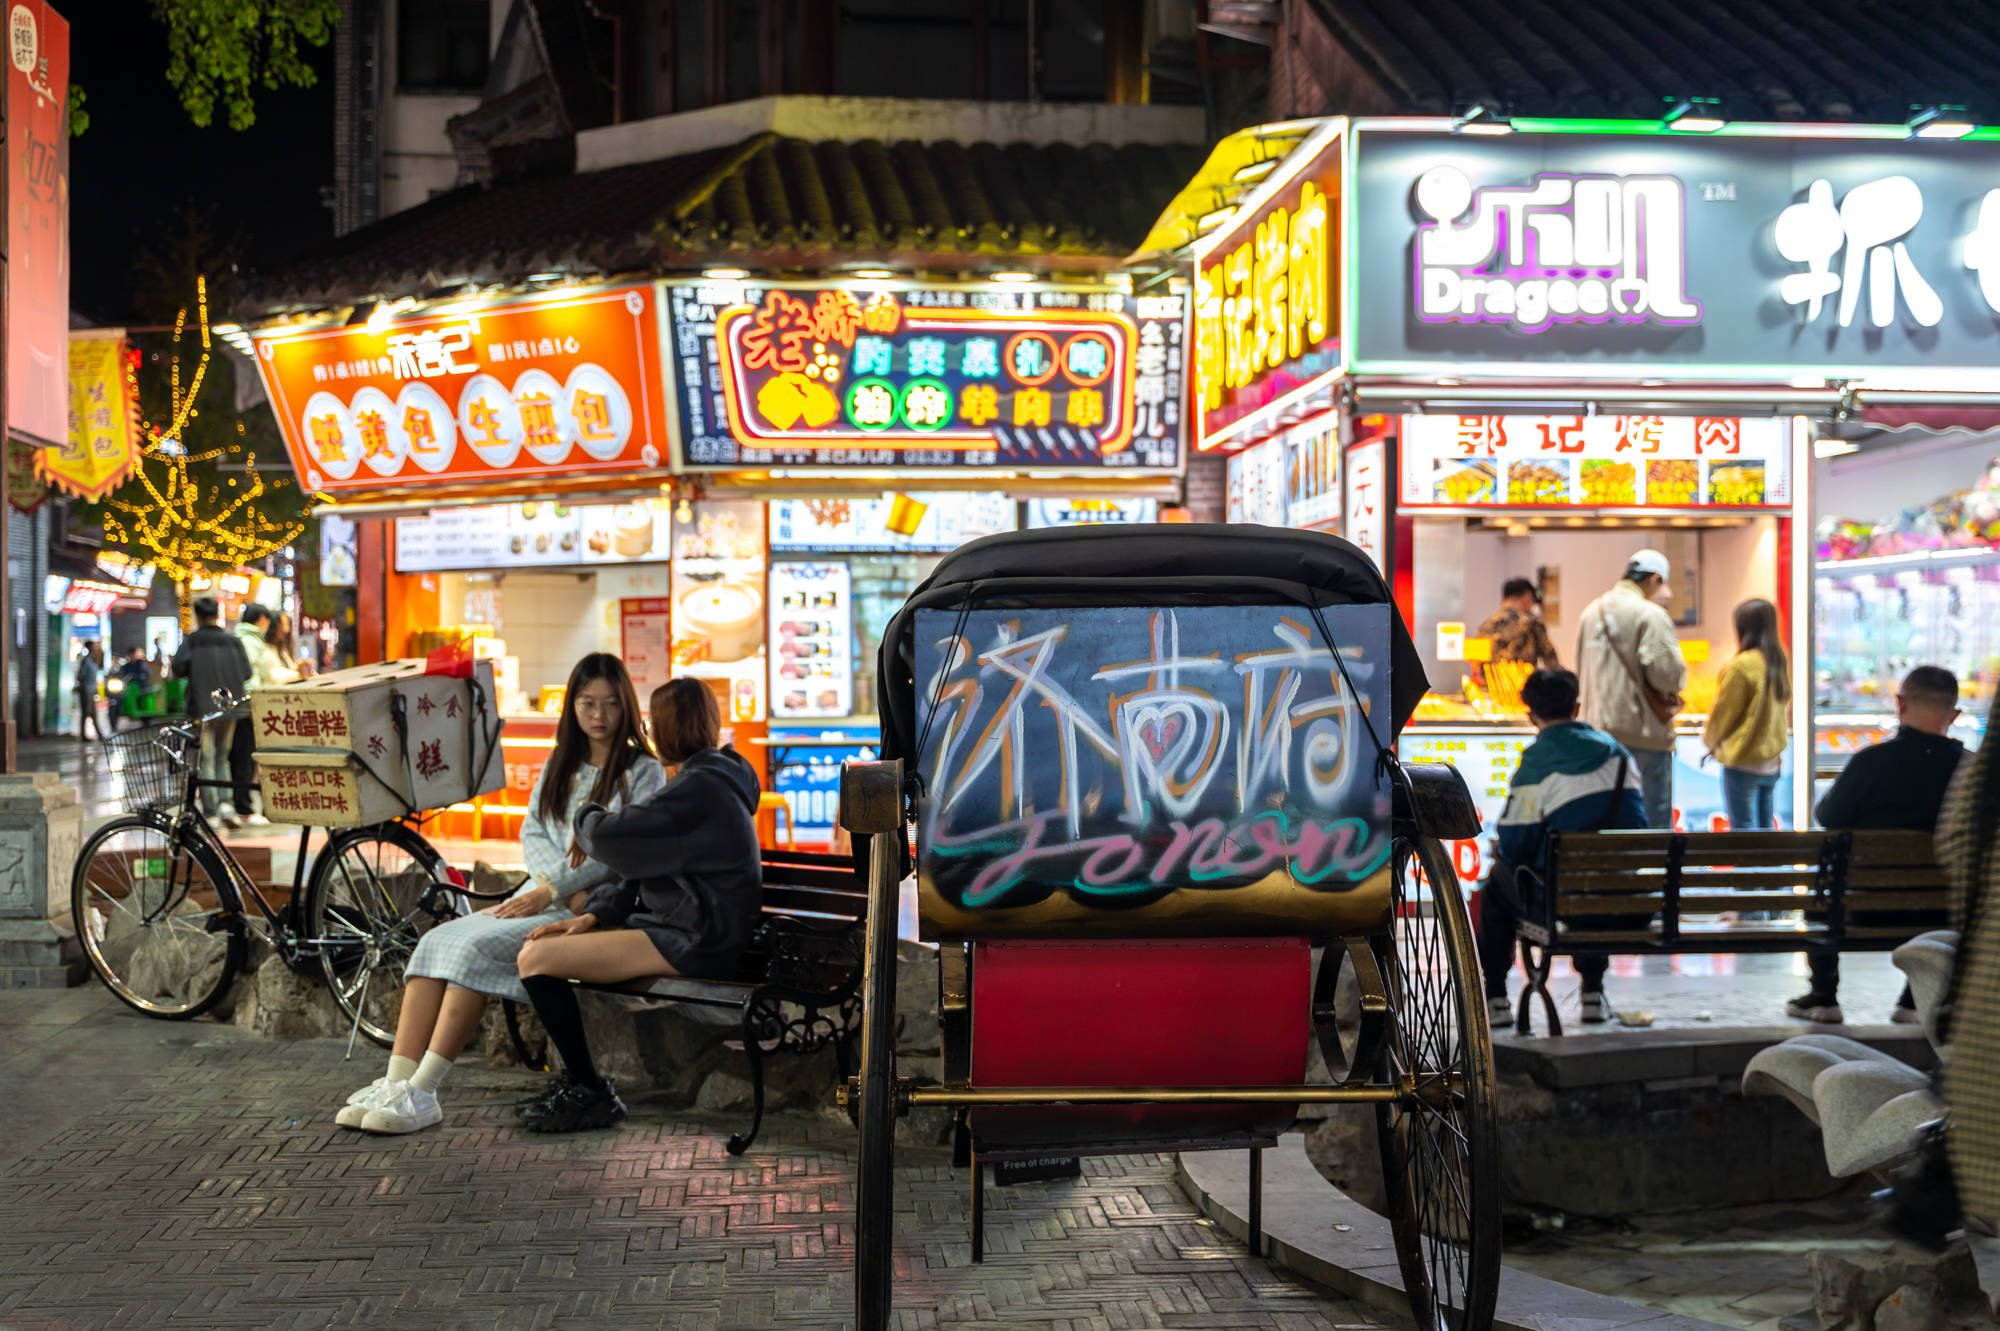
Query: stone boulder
[1918,1292]
[277,1002]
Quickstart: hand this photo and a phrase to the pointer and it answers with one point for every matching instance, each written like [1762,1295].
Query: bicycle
[160,902]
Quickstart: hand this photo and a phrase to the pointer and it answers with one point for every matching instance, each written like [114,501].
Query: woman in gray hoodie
[689,896]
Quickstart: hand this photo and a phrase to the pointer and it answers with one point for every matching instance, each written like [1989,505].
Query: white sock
[430,1073]
[400,1068]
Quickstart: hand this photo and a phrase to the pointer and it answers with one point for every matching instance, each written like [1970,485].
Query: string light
[188,530]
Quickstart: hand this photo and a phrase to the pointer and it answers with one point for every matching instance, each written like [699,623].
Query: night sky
[142,158]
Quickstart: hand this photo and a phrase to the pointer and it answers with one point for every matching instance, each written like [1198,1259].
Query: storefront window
[881,584]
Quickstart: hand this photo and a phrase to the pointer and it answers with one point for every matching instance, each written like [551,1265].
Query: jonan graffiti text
[1117,763]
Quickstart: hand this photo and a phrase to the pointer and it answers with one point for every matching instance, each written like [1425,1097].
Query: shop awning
[1235,167]
[766,202]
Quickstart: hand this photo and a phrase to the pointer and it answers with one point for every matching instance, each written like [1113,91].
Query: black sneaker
[1815,1007]
[537,1104]
[576,1106]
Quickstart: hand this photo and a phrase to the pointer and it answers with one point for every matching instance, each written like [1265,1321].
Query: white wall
[417,159]
[1879,482]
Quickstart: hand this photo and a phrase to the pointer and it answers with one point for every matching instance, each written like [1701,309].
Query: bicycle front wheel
[375,891]
[151,906]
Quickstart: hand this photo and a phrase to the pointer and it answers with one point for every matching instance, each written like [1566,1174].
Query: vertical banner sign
[1266,304]
[562,387]
[37,222]
[1367,523]
[102,443]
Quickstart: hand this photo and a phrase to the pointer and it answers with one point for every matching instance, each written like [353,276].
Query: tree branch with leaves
[221,52]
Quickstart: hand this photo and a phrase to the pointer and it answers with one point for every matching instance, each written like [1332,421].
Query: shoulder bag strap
[1604,620]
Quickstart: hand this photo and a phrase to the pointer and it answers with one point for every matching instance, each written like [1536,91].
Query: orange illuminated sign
[565,387]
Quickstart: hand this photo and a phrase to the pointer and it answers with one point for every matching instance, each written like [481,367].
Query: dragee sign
[563,386]
[1738,257]
[845,375]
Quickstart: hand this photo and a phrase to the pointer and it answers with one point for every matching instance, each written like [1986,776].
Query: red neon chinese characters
[777,335]
[1645,433]
[1480,434]
[1718,434]
[836,317]
[1562,434]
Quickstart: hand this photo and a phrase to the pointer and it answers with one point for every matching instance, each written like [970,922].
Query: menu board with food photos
[534,533]
[718,603]
[812,635]
[1595,462]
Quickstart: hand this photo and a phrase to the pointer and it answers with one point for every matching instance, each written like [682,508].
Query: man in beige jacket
[1624,636]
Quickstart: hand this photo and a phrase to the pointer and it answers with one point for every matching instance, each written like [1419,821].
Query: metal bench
[1661,893]
[798,985]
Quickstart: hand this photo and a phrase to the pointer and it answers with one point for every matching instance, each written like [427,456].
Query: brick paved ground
[202,1184]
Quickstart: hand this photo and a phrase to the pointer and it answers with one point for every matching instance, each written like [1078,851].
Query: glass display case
[1876,618]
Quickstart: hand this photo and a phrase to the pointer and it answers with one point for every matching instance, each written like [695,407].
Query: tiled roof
[770,200]
[1867,60]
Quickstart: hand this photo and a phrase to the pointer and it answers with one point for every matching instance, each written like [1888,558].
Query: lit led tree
[197,505]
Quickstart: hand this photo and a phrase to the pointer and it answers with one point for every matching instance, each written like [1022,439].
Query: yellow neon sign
[1265,301]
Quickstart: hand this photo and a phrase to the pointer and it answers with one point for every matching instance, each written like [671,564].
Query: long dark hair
[628,742]
[1757,631]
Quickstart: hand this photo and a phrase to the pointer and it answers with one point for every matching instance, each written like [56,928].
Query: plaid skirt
[479,952]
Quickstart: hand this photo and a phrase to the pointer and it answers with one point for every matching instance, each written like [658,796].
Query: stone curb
[1302,1210]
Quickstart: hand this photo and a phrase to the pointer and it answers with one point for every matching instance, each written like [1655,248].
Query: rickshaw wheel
[1438,1141]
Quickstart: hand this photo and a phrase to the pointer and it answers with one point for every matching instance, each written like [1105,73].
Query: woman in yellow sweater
[1747,729]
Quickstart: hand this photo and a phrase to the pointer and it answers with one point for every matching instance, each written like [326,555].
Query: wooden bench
[1829,890]
[798,985]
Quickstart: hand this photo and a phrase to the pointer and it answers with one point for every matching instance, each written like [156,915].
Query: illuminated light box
[903,376]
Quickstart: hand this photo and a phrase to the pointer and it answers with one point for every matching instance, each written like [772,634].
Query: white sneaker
[1596,1009]
[372,1096]
[255,820]
[405,1109]
[1499,1012]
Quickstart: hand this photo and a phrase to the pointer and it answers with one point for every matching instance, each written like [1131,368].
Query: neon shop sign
[841,369]
[1565,249]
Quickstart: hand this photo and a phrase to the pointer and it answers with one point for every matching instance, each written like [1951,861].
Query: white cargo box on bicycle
[167,915]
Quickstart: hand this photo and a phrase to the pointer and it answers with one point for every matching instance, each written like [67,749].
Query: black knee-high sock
[555,1003]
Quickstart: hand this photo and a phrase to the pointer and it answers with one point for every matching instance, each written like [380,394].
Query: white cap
[1650,561]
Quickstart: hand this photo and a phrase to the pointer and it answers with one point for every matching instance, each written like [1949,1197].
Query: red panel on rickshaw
[1176,1012]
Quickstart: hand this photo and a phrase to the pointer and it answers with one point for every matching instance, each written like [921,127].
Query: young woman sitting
[601,759]
[692,892]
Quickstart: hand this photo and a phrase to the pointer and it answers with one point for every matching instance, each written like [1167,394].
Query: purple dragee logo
[1565,249]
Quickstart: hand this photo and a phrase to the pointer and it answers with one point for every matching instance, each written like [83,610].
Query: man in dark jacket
[1899,783]
[210,658]
[1573,778]
[691,895]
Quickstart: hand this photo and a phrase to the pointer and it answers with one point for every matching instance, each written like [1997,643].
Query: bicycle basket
[149,764]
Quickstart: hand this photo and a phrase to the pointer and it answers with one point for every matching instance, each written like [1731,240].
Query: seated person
[1572,778]
[600,757]
[1898,783]
[689,903]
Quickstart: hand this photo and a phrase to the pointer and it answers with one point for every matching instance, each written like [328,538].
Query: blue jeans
[1748,798]
[1656,783]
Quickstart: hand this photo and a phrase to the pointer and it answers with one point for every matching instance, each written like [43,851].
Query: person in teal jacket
[1572,778]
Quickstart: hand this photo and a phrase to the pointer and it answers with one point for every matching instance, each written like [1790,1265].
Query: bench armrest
[810,961]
